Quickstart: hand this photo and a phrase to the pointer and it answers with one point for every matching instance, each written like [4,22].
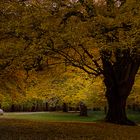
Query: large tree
[103,39]
[98,37]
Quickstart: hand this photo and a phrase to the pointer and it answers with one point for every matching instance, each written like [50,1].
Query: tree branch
[70,14]
[92,58]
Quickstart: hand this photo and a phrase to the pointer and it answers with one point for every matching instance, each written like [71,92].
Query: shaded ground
[64,126]
[12,129]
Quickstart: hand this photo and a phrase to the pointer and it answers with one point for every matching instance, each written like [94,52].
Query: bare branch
[84,69]
[92,58]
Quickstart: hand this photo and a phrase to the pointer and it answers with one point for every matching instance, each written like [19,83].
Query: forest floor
[13,126]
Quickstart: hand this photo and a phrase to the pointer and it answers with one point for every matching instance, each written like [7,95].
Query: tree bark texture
[116,109]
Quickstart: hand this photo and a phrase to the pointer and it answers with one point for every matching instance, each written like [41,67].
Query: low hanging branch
[79,64]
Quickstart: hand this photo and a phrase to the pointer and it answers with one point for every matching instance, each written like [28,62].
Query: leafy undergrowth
[14,129]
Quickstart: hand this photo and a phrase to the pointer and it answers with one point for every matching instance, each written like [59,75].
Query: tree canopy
[98,37]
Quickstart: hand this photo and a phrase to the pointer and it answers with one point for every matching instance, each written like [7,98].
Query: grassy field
[64,126]
[67,117]
[56,116]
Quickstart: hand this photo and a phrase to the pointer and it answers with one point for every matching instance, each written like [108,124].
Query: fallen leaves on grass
[12,129]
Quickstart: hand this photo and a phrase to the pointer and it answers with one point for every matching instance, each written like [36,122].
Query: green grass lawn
[135,116]
[64,126]
[66,117]
[56,116]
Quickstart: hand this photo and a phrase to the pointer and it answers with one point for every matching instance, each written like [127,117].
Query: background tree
[69,89]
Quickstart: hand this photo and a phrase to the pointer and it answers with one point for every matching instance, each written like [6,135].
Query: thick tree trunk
[83,109]
[116,110]
[117,105]
[119,77]
[46,107]
[65,107]
[12,108]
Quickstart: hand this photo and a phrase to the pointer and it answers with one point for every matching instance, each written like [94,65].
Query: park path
[20,113]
